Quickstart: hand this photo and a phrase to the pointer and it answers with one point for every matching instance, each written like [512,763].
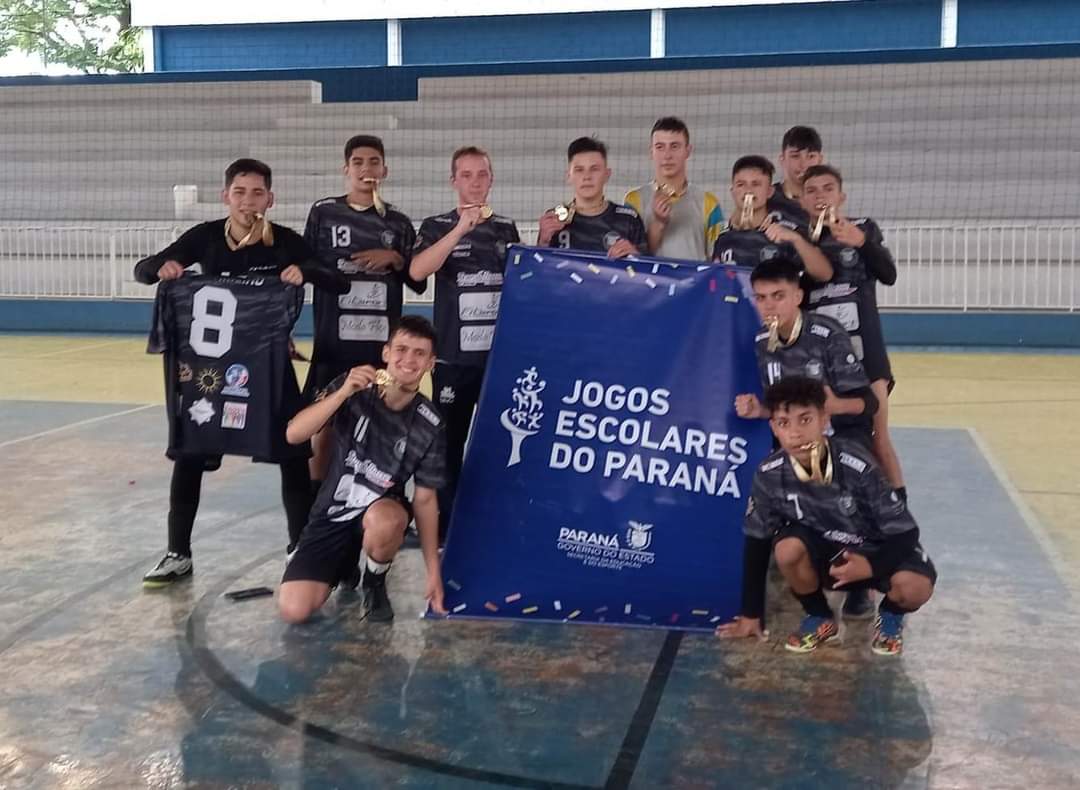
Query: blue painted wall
[990,22]
[526,38]
[811,27]
[1006,330]
[298,45]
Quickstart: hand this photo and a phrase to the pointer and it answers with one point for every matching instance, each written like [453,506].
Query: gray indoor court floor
[105,685]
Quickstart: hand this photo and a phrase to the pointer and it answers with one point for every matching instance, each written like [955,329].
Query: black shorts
[330,550]
[822,551]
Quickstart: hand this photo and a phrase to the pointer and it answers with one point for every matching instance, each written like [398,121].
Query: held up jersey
[351,328]
[599,233]
[468,285]
[376,449]
[230,387]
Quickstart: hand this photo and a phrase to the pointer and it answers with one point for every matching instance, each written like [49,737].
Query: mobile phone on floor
[252,592]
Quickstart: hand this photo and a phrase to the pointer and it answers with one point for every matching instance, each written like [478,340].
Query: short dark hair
[778,269]
[801,138]
[415,325]
[364,141]
[468,150]
[669,123]
[823,170]
[753,162]
[584,145]
[243,167]
[795,391]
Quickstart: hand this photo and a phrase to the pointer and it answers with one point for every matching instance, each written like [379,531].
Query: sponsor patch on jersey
[479,306]
[364,327]
[201,411]
[820,331]
[428,414]
[208,381]
[848,257]
[813,369]
[234,415]
[387,238]
[447,395]
[482,278]
[855,463]
[768,252]
[768,466]
[363,295]
[476,337]
[761,336]
[846,504]
[236,379]
[629,211]
[184,373]
[837,536]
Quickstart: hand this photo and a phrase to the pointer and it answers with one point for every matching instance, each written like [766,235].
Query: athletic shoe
[172,567]
[376,601]
[859,605]
[888,634]
[813,631]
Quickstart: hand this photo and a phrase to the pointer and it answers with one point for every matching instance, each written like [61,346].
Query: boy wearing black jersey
[245,243]
[384,432]
[466,251]
[860,260]
[801,148]
[753,235]
[827,513]
[370,242]
[590,221]
[796,343]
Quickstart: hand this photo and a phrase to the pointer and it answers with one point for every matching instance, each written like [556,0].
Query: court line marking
[77,349]
[1031,521]
[215,671]
[78,424]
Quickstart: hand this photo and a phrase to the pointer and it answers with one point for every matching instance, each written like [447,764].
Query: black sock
[296,496]
[815,604]
[902,491]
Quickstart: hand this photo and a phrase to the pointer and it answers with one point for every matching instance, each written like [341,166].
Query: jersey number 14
[213,311]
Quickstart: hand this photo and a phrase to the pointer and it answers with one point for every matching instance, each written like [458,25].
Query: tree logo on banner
[523,420]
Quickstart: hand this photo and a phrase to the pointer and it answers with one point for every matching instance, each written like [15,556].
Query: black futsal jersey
[599,233]
[821,351]
[351,328]
[377,449]
[749,248]
[850,296]
[468,286]
[229,384]
[781,207]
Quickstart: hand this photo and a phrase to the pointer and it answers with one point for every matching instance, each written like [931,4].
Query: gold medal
[260,230]
[772,323]
[670,192]
[816,473]
[746,214]
[564,212]
[384,381]
[826,217]
[376,198]
[486,212]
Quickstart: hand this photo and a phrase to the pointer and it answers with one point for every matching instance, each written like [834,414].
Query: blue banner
[607,475]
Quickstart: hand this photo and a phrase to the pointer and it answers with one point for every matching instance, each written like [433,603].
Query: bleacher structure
[970,166]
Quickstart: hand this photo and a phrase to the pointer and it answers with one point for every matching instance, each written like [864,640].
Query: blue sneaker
[888,634]
[813,632]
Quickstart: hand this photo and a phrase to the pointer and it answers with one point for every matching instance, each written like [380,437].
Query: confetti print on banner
[649,281]
[631,272]
[594,268]
[732,299]
[576,277]
[699,612]
[539,258]
[490,606]
[573,615]
[517,258]
[512,597]
[558,606]
[614,279]
[562,264]
[453,585]
[459,608]
[526,275]
[530,610]
[671,290]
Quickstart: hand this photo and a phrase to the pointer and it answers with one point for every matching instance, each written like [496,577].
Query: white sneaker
[172,567]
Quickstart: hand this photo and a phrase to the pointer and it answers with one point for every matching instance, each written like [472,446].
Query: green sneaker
[813,632]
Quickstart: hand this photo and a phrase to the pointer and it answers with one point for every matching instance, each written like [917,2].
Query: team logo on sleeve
[208,381]
[234,415]
[846,504]
[447,395]
[201,411]
[184,374]
[813,369]
[523,420]
[768,252]
[848,257]
[236,379]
